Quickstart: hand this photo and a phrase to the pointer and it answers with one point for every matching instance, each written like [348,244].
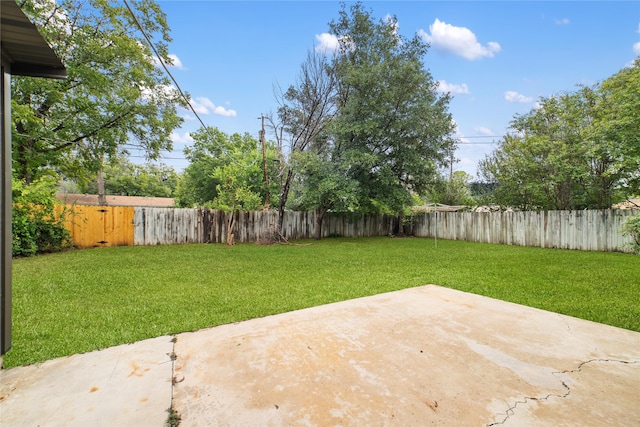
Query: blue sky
[496,58]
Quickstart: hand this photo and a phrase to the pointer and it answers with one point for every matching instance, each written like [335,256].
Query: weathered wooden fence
[154,226]
[591,230]
[588,230]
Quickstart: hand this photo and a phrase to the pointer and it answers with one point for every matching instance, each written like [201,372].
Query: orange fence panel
[96,226]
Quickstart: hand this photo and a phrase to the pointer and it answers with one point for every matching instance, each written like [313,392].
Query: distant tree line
[577,150]
[362,129]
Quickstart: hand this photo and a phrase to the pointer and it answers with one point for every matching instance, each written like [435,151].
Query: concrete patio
[416,357]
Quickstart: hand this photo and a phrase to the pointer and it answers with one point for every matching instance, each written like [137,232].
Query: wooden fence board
[593,230]
[94,226]
[120,231]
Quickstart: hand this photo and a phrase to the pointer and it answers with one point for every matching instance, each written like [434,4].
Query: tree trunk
[22,165]
[317,231]
[283,201]
[231,220]
[102,197]
[397,226]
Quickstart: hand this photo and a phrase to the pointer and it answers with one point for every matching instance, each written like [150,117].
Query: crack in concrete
[564,320]
[173,419]
[511,410]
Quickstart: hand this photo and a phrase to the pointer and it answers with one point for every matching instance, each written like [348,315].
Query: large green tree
[539,164]
[614,134]
[392,126]
[114,92]
[578,150]
[372,113]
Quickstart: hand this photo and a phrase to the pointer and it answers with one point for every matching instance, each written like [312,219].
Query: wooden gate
[95,226]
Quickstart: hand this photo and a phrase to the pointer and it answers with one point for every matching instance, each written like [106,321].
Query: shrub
[37,227]
[631,228]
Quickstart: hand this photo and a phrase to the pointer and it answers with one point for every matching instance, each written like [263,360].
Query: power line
[462,140]
[162,158]
[206,128]
[175,82]
[481,136]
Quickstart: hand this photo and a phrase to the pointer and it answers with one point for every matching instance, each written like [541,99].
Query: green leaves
[323,183]
[114,94]
[235,190]
[617,120]
[221,163]
[391,122]
[578,150]
[121,177]
[452,191]
[37,226]
[631,228]
[367,126]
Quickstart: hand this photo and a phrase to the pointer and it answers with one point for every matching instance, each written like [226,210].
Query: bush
[37,227]
[631,228]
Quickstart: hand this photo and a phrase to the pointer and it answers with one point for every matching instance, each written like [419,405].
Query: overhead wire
[206,128]
[481,136]
[163,158]
[130,146]
[182,94]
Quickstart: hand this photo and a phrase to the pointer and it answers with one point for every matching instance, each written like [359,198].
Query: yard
[83,300]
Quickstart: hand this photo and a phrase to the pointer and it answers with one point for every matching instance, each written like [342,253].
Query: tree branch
[108,125]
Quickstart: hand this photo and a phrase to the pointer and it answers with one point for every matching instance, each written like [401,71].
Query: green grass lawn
[83,300]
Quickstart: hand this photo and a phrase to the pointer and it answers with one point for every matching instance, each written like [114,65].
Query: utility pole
[267,202]
[451,166]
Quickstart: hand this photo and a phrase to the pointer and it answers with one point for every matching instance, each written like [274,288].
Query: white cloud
[444,87]
[466,161]
[221,111]
[457,134]
[185,138]
[176,63]
[459,41]
[516,133]
[203,105]
[513,96]
[563,21]
[455,126]
[327,43]
[481,130]
[164,91]
[393,22]
[636,48]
